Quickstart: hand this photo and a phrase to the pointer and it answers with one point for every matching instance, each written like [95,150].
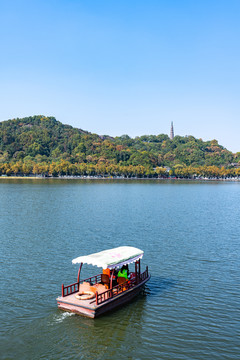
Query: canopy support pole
[111,278]
[79,271]
[137,271]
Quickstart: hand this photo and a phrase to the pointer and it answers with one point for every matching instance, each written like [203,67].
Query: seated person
[123,272]
[105,277]
[106,272]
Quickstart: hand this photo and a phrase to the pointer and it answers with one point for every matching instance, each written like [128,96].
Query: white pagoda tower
[171,131]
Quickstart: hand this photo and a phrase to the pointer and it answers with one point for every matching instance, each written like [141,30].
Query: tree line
[65,168]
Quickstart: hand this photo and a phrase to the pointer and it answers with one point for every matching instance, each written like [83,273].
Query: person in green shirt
[123,272]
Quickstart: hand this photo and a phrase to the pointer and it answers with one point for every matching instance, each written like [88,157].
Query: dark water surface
[190,233]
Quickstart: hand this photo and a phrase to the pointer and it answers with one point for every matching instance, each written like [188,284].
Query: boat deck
[91,303]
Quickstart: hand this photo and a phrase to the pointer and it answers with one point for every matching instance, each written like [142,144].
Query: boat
[104,292]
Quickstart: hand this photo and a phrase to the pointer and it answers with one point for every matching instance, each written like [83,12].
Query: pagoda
[171,131]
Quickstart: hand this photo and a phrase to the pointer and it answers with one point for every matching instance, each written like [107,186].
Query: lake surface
[190,233]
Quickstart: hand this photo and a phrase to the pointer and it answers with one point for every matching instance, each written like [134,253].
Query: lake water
[190,233]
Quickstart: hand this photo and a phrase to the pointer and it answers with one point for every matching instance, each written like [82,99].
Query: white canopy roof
[111,258]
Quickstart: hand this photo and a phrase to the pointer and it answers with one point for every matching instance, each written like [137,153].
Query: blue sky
[124,67]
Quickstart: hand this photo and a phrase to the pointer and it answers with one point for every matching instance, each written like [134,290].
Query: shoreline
[112,178]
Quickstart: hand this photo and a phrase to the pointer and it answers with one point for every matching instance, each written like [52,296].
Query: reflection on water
[190,234]
[158,285]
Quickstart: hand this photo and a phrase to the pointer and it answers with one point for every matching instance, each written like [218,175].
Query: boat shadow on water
[133,310]
[158,285]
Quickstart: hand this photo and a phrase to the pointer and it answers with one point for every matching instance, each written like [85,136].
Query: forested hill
[40,139]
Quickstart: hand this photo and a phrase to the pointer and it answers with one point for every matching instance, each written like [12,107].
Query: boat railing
[116,290]
[70,289]
[73,288]
[111,293]
[144,275]
[92,280]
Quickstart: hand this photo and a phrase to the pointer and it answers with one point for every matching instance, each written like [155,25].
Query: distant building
[171,131]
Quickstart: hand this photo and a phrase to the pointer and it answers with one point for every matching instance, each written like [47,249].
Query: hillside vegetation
[43,145]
